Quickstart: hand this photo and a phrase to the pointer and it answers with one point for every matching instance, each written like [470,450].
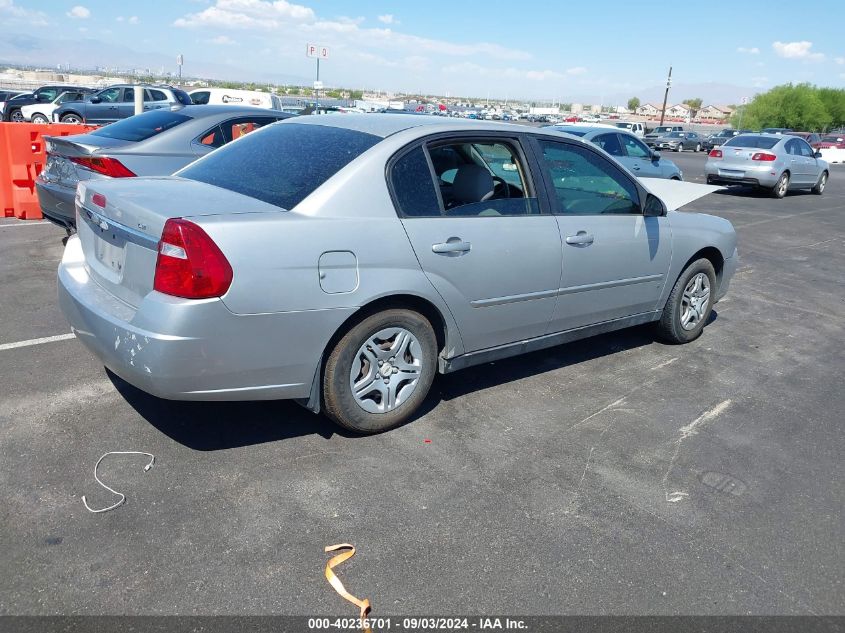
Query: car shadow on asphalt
[214,426]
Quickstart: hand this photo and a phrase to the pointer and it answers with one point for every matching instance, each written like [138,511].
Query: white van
[221,96]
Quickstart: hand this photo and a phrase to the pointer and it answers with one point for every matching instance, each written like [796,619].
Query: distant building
[648,109]
[719,113]
[678,111]
[577,108]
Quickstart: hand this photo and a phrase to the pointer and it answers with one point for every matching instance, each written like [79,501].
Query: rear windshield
[570,131]
[142,126]
[183,97]
[757,142]
[627,126]
[833,139]
[282,163]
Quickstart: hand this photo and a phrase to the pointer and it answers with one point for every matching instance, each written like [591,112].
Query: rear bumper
[181,349]
[746,176]
[56,202]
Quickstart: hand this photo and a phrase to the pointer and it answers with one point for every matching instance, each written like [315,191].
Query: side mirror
[655,156]
[654,206]
[95,99]
[818,154]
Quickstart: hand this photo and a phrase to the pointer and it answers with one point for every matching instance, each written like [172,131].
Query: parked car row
[251,273]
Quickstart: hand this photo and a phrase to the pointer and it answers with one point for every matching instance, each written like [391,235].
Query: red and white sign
[315,50]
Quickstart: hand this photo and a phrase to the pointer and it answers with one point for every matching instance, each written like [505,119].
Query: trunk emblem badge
[104,225]
[142,226]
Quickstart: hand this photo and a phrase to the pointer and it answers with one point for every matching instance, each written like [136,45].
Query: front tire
[378,374]
[698,147]
[679,147]
[72,118]
[689,305]
[818,189]
[781,186]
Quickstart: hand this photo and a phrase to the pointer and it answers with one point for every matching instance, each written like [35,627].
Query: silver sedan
[778,163]
[343,261]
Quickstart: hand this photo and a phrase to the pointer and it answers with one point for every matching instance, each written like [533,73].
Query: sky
[605,50]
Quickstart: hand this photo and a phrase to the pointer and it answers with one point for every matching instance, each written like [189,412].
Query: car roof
[384,125]
[202,111]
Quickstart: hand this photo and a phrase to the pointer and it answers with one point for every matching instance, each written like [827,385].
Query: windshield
[662,129]
[281,164]
[833,139]
[756,142]
[142,126]
[626,126]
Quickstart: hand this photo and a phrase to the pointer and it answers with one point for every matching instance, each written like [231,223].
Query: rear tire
[781,186]
[39,118]
[16,116]
[689,305]
[821,184]
[379,372]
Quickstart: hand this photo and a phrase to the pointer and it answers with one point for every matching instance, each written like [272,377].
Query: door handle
[581,238]
[452,246]
[636,168]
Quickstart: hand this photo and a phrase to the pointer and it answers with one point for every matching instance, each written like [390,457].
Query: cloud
[797,50]
[282,18]
[388,18]
[578,70]
[839,60]
[79,12]
[223,40]
[749,51]
[133,19]
[12,14]
[759,82]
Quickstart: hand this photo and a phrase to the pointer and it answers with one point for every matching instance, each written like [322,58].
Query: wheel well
[715,256]
[408,302]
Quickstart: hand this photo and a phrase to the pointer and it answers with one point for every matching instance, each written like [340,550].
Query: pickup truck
[661,130]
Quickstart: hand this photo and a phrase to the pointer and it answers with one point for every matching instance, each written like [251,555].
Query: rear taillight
[764,157]
[189,263]
[103,165]
[715,153]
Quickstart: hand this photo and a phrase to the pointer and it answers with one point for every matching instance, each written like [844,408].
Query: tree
[633,103]
[694,105]
[799,107]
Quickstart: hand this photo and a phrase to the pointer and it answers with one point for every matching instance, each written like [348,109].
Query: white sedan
[42,112]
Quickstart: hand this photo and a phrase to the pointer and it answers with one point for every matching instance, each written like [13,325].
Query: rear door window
[156,95]
[128,95]
[610,144]
[142,126]
[281,164]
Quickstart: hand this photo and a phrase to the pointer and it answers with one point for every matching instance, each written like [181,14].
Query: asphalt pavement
[617,475]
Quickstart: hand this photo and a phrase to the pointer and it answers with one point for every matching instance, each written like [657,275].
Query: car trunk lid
[120,221]
[60,167]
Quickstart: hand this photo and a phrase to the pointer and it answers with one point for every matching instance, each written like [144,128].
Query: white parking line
[37,341]
[23,223]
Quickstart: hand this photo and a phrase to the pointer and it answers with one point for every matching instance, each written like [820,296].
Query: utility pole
[666,95]
[179,61]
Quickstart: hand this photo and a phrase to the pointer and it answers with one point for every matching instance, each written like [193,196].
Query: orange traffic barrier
[22,157]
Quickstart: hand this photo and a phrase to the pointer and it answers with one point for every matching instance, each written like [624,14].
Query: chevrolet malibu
[343,261]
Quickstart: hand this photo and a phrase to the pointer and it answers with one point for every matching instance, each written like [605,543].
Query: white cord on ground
[120,494]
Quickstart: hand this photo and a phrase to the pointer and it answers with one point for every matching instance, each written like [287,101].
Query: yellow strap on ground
[334,581]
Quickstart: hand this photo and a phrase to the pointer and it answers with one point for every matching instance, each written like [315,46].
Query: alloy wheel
[16,116]
[695,299]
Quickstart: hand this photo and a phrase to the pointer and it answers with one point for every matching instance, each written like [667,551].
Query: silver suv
[118,102]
